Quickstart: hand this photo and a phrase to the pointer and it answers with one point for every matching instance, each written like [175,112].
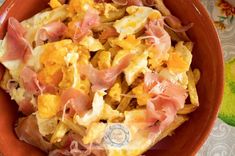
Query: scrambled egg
[115,91]
[91,43]
[18,94]
[94,133]
[128,43]
[78,6]
[133,23]
[104,60]
[139,141]
[137,66]
[180,59]
[156,58]
[109,12]
[55,4]
[110,114]
[34,60]
[142,96]
[120,54]
[95,113]
[54,53]
[60,131]
[176,78]
[48,105]
[33,24]
[46,126]
[13,66]
[71,60]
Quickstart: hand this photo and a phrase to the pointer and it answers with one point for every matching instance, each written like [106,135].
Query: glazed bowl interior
[207,56]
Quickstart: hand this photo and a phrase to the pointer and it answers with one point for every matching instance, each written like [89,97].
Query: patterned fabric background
[222,138]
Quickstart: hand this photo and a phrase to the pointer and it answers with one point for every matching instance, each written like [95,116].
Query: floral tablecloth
[222,138]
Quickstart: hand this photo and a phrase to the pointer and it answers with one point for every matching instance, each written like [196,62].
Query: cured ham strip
[90,20]
[122,2]
[108,32]
[176,24]
[26,107]
[27,131]
[135,2]
[30,81]
[50,32]
[16,47]
[167,99]
[74,146]
[104,79]
[148,2]
[158,36]
[76,100]
[163,112]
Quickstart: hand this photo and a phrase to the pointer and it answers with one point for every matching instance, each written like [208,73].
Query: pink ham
[148,2]
[50,32]
[75,147]
[76,100]
[103,1]
[163,112]
[158,35]
[108,32]
[17,48]
[176,24]
[104,79]
[27,131]
[167,99]
[90,20]
[30,80]
[26,107]
[135,2]
[122,2]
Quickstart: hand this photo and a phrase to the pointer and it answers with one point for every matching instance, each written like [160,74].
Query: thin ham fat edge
[122,2]
[90,20]
[17,47]
[51,32]
[157,36]
[104,79]
[28,131]
[108,32]
[76,100]
[30,80]
[165,103]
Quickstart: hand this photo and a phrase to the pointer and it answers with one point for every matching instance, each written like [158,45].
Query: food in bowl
[99,77]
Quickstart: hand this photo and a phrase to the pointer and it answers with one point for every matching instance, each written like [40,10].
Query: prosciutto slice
[16,46]
[167,99]
[104,79]
[27,131]
[30,81]
[108,32]
[122,2]
[75,147]
[90,20]
[158,36]
[26,107]
[76,100]
[161,112]
[50,32]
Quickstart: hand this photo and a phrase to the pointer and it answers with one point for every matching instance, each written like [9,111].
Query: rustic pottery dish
[207,56]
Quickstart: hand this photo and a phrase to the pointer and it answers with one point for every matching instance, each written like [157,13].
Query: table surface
[221,141]
[222,138]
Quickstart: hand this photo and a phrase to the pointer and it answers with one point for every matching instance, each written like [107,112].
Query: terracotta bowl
[207,56]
